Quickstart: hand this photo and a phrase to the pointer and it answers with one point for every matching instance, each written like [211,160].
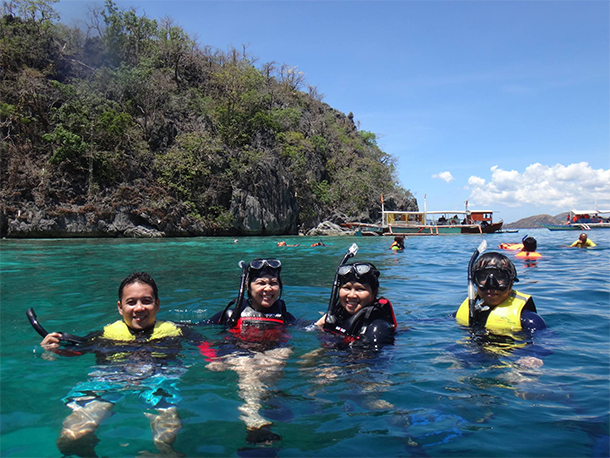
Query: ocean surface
[435,392]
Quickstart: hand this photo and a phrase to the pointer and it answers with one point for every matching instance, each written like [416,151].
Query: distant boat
[583,220]
[439,222]
[431,223]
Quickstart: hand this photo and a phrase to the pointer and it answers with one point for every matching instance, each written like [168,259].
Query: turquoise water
[433,393]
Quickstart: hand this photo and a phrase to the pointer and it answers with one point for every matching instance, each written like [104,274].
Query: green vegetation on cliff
[135,115]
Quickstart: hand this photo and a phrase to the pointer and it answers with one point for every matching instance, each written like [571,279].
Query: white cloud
[444,176]
[559,186]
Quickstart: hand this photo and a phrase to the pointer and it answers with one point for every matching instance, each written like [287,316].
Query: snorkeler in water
[497,306]
[583,242]
[398,244]
[258,327]
[355,312]
[134,354]
[261,279]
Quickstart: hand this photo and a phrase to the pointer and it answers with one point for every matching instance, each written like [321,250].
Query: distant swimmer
[529,249]
[320,243]
[583,242]
[283,243]
[399,243]
[497,306]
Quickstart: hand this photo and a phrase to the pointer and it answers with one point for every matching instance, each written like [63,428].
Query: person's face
[583,237]
[493,297]
[353,296]
[264,291]
[138,306]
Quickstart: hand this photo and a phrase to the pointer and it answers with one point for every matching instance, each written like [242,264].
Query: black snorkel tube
[43,332]
[232,321]
[351,252]
[471,292]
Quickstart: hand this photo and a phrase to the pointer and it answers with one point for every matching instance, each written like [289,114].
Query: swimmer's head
[582,237]
[361,272]
[529,244]
[260,267]
[494,270]
[139,277]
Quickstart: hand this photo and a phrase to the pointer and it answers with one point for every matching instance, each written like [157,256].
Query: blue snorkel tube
[471,291]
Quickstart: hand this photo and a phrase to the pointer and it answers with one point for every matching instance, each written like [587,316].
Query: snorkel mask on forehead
[272,263]
[494,271]
[259,267]
[362,272]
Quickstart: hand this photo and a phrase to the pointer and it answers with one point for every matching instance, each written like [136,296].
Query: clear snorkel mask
[259,267]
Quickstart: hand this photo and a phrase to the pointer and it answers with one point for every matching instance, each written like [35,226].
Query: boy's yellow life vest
[503,317]
[120,331]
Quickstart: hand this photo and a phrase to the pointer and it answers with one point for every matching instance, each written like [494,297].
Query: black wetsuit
[374,324]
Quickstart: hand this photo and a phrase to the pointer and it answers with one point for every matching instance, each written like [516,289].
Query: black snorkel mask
[492,278]
[494,271]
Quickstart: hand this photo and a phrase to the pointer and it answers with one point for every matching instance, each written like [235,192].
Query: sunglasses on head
[258,264]
[492,278]
[354,269]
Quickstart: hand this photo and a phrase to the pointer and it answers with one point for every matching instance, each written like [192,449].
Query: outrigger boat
[579,220]
[439,222]
[431,223]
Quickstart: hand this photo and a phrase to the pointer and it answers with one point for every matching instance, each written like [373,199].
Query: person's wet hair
[530,244]
[139,277]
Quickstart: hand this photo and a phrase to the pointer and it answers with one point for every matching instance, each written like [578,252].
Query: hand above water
[51,340]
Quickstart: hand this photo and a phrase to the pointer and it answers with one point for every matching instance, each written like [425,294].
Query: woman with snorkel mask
[354,310]
[498,306]
[262,281]
[258,323]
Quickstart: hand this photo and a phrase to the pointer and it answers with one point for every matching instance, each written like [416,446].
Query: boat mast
[425,210]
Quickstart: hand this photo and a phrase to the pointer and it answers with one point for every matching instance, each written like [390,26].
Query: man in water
[583,242]
[137,354]
[498,306]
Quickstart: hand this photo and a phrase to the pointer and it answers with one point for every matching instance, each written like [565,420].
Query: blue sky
[502,103]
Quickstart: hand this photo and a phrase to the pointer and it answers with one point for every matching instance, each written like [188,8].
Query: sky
[504,104]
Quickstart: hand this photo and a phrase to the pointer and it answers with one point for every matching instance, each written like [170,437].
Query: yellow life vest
[587,244]
[120,331]
[503,317]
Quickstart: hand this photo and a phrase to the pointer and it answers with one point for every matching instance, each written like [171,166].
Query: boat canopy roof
[450,212]
[588,212]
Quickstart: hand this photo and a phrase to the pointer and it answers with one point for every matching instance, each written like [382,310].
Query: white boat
[583,220]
